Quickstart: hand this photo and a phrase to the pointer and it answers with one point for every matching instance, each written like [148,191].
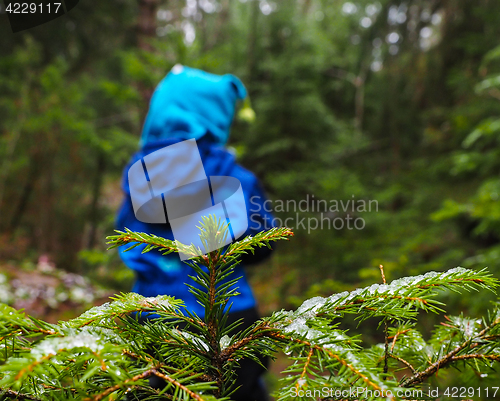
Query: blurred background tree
[391,101]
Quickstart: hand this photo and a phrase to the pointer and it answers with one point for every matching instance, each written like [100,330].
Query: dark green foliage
[329,123]
[418,133]
[107,353]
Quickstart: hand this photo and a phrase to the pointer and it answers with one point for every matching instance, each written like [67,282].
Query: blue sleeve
[146,265]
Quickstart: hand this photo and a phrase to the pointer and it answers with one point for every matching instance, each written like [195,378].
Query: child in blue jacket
[193,104]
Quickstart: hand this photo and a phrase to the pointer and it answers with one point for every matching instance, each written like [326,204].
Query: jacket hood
[191,104]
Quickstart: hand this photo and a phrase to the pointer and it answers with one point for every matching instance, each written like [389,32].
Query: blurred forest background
[393,101]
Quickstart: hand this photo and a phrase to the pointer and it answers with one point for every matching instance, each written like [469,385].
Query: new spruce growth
[109,352]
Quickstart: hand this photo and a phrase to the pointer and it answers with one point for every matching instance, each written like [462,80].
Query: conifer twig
[476,356]
[100,396]
[298,384]
[367,381]
[395,338]
[17,395]
[404,362]
[386,330]
[192,394]
[448,358]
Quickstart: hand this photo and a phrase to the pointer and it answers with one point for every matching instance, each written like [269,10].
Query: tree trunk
[146,23]
[94,204]
[252,43]
[146,30]
[31,179]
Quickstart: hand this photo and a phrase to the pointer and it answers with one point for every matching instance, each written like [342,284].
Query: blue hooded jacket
[191,104]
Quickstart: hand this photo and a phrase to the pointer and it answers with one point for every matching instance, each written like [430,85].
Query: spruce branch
[108,350]
[184,390]
[127,304]
[152,241]
[180,386]
[453,356]
[404,362]
[476,356]
[401,299]
[395,337]
[248,244]
[386,330]
[17,395]
[340,360]
[301,380]
[125,383]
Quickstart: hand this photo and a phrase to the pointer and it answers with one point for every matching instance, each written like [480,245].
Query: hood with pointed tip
[191,104]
